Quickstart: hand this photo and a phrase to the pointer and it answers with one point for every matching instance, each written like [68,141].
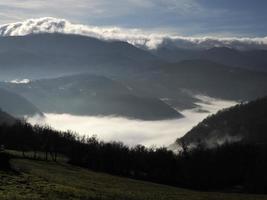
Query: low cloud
[22,81]
[136,37]
[133,132]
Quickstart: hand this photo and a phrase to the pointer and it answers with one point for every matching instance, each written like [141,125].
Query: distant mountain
[213,79]
[92,95]
[177,84]
[249,59]
[247,122]
[253,59]
[6,118]
[46,55]
[150,74]
[16,105]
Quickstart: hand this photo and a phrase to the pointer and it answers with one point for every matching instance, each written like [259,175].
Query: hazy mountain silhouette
[16,105]
[213,79]
[249,59]
[92,95]
[42,55]
[151,75]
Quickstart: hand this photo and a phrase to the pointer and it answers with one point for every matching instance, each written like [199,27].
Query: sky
[183,17]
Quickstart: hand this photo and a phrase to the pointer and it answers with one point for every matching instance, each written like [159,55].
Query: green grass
[49,180]
[39,155]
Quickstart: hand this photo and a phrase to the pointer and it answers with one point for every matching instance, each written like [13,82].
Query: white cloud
[23,81]
[133,132]
[136,37]
[184,16]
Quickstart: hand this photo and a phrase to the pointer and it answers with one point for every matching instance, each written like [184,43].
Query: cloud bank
[133,132]
[135,37]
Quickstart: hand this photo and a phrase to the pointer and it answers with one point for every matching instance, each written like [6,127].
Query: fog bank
[131,131]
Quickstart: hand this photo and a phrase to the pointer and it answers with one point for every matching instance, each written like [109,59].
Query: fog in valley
[132,131]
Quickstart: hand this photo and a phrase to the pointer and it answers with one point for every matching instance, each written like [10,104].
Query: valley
[107,112]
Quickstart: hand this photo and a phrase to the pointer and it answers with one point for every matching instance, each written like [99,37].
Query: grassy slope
[48,180]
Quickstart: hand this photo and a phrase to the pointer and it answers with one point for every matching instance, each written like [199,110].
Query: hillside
[48,180]
[16,105]
[246,122]
[178,83]
[6,118]
[213,79]
[172,75]
[197,169]
[52,55]
[255,60]
[92,95]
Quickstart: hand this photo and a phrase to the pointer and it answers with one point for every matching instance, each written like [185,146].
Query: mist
[132,131]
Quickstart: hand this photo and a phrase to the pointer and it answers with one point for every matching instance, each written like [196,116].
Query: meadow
[33,179]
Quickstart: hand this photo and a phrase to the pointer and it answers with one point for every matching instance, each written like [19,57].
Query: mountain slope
[92,95]
[251,59]
[6,118]
[52,55]
[178,83]
[16,105]
[213,79]
[42,55]
[247,122]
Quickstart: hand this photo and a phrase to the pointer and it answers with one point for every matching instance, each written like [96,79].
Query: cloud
[23,81]
[133,132]
[190,17]
[136,37]
[100,10]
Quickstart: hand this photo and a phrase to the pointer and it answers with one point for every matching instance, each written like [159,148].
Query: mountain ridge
[58,54]
[244,122]
[88,94]
[16,105]
[255,60]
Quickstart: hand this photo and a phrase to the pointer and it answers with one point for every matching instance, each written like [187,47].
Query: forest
[233,167]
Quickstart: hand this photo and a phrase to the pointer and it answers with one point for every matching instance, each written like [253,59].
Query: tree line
[239,167]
